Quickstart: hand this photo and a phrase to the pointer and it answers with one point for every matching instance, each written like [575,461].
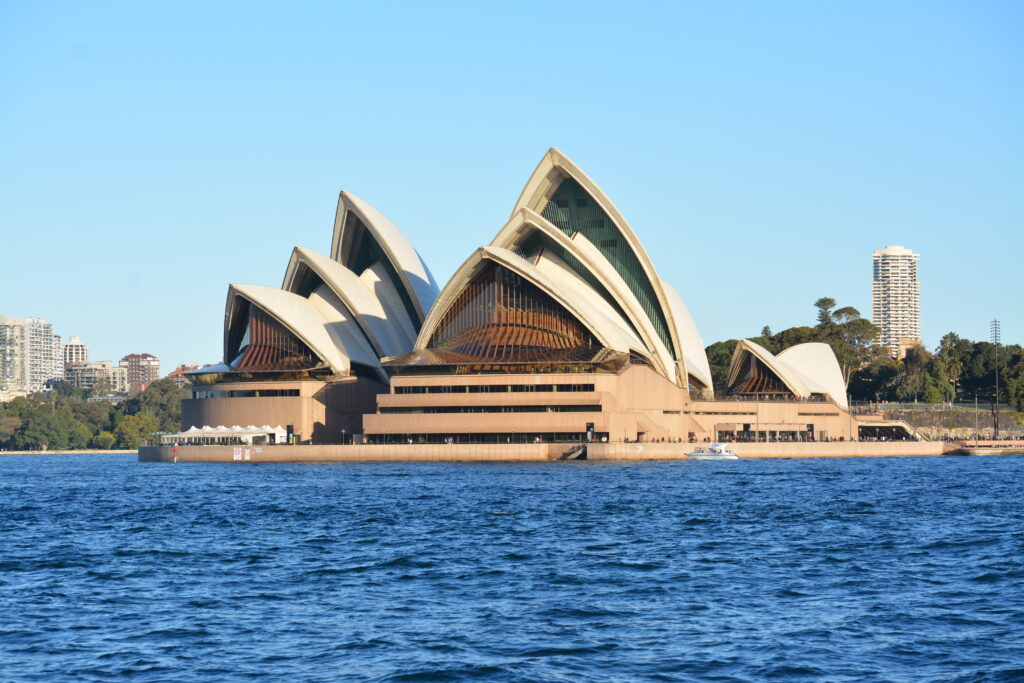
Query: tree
[133,431]
[68,390]
[9,426]
[103,441]
[851,337]
[39,430]
[912,380]
[825,305]
[162,400]
[95,415]
[874,381]
[719,357]
[103,386]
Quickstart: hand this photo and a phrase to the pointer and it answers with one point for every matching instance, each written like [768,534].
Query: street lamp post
[996,338]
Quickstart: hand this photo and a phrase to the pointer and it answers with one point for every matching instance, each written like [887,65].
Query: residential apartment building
[75,352]
[31,355]
[99,373]
[896,297]
[180,373]
[143,369]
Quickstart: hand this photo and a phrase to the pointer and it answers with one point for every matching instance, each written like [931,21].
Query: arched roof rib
[386,327]
[590,265]
[296,314]
[556,173]
[410,275]
[558,285]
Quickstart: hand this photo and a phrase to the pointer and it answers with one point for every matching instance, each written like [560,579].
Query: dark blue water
[896,569]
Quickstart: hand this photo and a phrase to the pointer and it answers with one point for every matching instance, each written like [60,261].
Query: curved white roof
[607,318]
[805,369]
[555,282]
[555,167]
[415,277]
[816,363]
[388,329]
[297,314]
[343,328]
[524,221]
[746,347]
[694,355]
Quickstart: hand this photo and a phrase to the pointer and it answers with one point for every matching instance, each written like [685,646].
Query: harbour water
[843,569]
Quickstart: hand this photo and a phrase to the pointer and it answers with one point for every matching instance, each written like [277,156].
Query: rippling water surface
[899,569]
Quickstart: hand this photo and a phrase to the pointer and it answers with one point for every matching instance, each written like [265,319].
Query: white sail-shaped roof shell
[295,313]
[554,280]
[555,167]
[746,347]
[817,365]
[386,326]
[525,221]
[805,369]
[694,355]
[413,275]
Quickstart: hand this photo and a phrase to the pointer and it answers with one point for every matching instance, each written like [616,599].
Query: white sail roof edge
[297,314]
[554,167]
[694,355]
[524,221]
[388,331]
[416,278]
[817,364]
[805,369]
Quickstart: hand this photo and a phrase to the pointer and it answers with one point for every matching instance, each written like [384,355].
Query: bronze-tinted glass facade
[756,379]
[260,343]
[500,316]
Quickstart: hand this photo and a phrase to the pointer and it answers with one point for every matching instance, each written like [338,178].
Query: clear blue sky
[152,153]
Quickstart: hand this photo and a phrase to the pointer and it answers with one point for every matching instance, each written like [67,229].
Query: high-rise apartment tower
[30,355]
[896,297]
[75,352]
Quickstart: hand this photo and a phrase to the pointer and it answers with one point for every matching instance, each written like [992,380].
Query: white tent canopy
[227,435]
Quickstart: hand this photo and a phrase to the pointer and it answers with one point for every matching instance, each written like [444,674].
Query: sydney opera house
[559,330]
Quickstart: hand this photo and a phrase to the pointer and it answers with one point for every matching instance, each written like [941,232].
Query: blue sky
[152,153]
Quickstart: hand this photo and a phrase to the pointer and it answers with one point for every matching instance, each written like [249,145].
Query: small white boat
[715,451]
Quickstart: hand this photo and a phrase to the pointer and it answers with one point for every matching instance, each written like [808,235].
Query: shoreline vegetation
[67,418]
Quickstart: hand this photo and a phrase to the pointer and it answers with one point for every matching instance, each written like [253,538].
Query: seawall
[846,449]
[334,453]
[532,452]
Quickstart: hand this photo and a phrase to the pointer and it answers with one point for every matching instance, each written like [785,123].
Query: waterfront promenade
[546,452]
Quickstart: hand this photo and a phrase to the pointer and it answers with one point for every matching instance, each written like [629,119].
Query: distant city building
[905,344]
[179,374]
[143,369]
[75,352]
[30,355]
[896,298]
[103,374]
